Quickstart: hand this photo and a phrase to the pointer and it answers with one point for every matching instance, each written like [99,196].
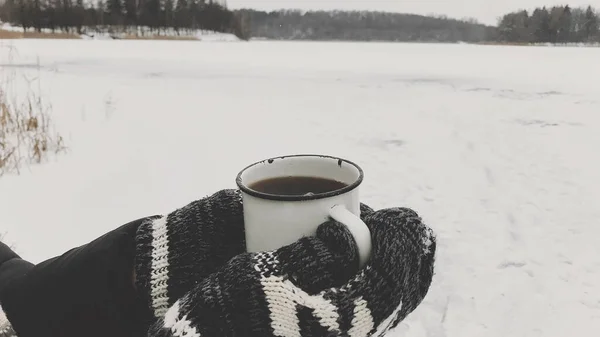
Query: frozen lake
[497,148]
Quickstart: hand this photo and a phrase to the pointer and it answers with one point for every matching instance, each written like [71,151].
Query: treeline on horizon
[361,26]
[121,15]
[558,24]
[184,15]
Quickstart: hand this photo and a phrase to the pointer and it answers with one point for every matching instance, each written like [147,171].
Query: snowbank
[140,33]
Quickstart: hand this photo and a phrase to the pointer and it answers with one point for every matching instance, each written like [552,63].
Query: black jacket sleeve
[11,265]
[87,291]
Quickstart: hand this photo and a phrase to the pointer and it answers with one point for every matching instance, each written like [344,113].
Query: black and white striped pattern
[297,291]
[174,252]
[180,326]
[287,302]
[159,274]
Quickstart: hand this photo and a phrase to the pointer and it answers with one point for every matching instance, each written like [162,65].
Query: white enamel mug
[273,221]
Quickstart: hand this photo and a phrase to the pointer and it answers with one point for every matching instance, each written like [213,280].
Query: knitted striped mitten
[313,287]
[174,252]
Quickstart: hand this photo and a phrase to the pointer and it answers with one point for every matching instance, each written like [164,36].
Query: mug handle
[358,229]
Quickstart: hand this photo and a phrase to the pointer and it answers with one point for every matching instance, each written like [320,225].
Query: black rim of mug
[317,196]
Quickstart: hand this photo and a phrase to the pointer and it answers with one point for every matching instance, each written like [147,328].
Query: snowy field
[498,148]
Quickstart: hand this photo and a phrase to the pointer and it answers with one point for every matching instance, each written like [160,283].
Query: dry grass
[8,34]
[9,244]
[26,129]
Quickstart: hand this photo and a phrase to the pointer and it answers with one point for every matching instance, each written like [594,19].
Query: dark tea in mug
[297,185]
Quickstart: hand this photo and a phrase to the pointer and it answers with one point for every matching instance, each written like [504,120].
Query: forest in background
[362,26]
[156,16]
[558,24]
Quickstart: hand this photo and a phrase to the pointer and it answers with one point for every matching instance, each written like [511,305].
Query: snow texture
[495,147]
[202,35]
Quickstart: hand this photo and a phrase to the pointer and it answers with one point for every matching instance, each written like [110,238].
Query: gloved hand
[306,289]
[89,290]
[175,252]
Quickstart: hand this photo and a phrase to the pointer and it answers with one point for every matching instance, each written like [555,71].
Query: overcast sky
[486,11]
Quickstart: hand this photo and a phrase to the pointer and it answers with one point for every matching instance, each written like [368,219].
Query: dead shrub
[27,134]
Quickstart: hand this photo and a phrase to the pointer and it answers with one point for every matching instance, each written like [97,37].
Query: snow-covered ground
[89,34]
[498,148]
